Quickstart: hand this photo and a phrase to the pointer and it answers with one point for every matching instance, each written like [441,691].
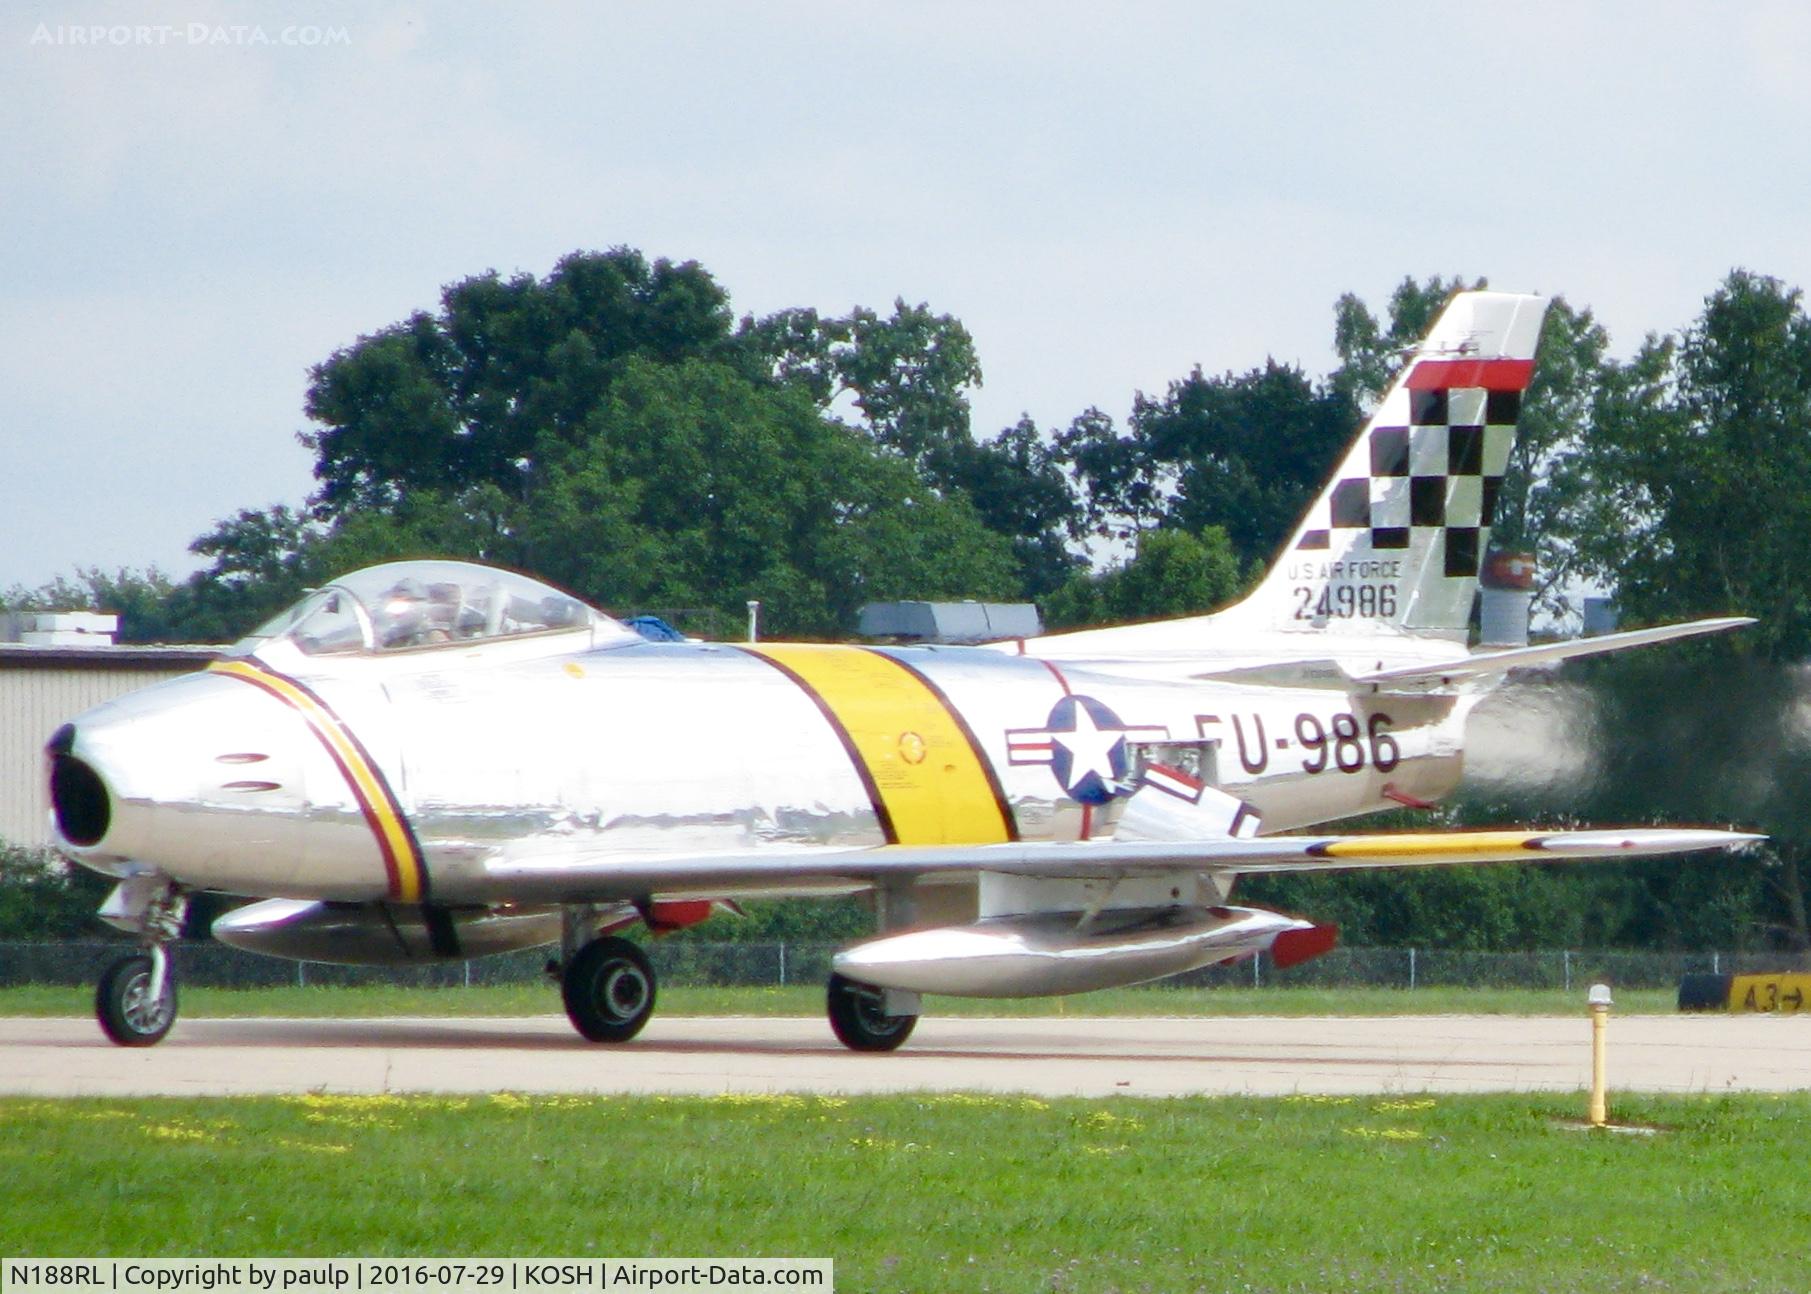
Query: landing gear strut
[860,1020]
[608,987]
[135,1001]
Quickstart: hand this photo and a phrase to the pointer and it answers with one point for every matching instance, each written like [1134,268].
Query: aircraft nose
[79,800]
[180,775]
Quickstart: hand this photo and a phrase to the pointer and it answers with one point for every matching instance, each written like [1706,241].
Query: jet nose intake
[78,796]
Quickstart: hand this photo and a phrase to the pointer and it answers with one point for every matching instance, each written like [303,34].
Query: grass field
[954,1192]
[808,1000]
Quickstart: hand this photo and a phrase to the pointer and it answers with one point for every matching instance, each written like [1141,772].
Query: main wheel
[859,1019]
[123,1003]
[609,990]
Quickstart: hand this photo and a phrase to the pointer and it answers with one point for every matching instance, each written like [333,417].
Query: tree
[908,377]
[467,397]
[692,487]
[45,897]
[1250,451]
[1018,489]
[1173,573]
[1697,468]
[1120,488]
[1668,735]
[1539,490]
[1686,495]
[603,427]
[1244,452]
[151,608]
[1371,353]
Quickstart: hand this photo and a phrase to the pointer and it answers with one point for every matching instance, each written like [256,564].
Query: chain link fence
[696,963]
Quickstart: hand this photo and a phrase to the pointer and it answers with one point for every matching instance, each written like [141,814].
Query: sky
[199,201]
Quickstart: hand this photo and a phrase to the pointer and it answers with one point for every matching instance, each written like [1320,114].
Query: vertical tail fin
[1395,538]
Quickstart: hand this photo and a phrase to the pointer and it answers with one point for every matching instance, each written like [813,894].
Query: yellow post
[1599,1001]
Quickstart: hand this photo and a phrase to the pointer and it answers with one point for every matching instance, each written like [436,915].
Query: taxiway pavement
[1046,1056]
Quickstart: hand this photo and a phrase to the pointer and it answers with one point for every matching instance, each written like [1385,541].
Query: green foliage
[475,394]
[908,376]
[42,897]
[148,604]
[1474,909]
[1173,573]
[1539,491]
[608,427]
[1249,452]
[820,921]
[1243,452]
[1709,736]
[1700,458]
[1017,485]
[696,488]
[604,429]
[1371,353]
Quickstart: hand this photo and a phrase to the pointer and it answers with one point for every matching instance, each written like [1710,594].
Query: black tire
[609,990]
[123,1005]
[859,1020]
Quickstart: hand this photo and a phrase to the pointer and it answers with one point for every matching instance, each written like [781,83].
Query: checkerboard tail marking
[1397,536]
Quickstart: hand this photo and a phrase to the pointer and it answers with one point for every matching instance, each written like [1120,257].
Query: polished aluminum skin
[1054,953]
[438,759]
[557,746]
[373,934]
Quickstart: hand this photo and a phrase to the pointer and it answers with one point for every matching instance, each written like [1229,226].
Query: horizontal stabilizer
[1481,664]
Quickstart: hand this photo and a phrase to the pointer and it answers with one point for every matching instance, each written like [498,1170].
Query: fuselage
[406,776]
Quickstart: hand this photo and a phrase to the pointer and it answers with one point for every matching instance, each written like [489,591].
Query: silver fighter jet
[438,760]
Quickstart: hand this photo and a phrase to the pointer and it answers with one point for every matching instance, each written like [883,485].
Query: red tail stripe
[1491,374]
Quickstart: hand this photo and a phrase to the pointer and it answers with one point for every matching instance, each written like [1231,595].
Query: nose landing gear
[135,1000]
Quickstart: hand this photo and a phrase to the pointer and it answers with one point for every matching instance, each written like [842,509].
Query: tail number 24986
[1346,602]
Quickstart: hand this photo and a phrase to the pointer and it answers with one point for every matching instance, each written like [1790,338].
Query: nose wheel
[135,1001]
[608,987]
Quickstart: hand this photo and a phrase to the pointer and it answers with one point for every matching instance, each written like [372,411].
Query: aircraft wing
[571,874]
[1484,663]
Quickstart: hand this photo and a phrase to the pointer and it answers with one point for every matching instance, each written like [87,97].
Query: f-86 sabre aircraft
[438,760]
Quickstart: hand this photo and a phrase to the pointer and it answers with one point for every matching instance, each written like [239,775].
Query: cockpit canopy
[402,606]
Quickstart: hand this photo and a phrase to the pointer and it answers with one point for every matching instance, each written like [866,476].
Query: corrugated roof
[131,656]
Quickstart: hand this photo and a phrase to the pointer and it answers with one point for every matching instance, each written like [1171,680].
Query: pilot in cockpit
[415,615]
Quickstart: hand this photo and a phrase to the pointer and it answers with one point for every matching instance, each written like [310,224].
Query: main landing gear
[607,983]
[608,986]
[862,1016]
[135,1000]
[861,1020]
